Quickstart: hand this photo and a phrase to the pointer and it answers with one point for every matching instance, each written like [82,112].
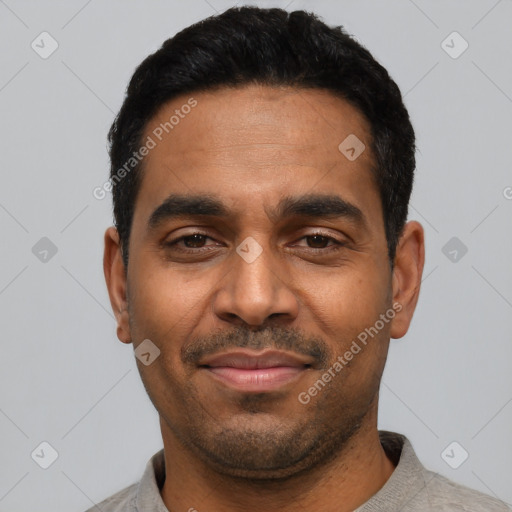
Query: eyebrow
[319,206]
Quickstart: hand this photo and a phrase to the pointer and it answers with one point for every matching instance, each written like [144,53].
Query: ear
[407,272]
[115,277]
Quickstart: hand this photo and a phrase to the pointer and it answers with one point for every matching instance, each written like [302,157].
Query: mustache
[277,338]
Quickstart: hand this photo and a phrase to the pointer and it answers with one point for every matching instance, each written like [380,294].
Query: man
[262,165]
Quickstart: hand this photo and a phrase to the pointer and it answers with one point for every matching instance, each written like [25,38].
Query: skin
[226,449]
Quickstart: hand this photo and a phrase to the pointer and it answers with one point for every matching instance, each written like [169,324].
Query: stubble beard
[275,449]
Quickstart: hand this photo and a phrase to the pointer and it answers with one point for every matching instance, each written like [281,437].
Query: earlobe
[116,280]
[407,273]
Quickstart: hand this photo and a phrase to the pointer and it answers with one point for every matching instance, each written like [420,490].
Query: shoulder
[445,495]
[412,487]
[122,501]
[140,495]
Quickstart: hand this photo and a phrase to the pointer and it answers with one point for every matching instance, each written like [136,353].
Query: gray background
[66,380]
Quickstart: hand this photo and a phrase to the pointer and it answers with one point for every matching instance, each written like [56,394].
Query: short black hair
[272,47]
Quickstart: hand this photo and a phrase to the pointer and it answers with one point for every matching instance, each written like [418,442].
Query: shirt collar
[148,491]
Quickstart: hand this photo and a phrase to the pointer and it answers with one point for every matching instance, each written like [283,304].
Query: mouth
[257,372]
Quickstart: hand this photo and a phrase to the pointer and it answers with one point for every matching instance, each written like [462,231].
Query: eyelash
[336,247]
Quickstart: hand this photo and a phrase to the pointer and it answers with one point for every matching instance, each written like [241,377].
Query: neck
[341,485]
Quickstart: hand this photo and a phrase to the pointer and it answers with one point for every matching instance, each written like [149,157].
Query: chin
[263,450]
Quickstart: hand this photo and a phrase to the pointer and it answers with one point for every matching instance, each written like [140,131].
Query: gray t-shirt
[411,488]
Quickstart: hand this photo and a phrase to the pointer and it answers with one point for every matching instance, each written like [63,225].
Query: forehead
[256,143]
[225,120]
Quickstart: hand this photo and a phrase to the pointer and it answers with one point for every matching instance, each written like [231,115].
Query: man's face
[268,274]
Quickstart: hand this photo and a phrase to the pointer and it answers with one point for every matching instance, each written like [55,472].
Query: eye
[319,242]
[196,243]
[192,243]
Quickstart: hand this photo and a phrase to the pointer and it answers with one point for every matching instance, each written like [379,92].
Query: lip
[256,371]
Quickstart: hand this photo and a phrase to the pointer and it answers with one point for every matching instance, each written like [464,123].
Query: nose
[254,290]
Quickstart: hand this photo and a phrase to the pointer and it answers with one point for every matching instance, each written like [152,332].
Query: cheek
[346,307]
[166,302]
[347,300]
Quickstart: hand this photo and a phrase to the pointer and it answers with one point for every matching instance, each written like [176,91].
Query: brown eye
[320,244]
[193,244]
[318,241]
[194,241]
